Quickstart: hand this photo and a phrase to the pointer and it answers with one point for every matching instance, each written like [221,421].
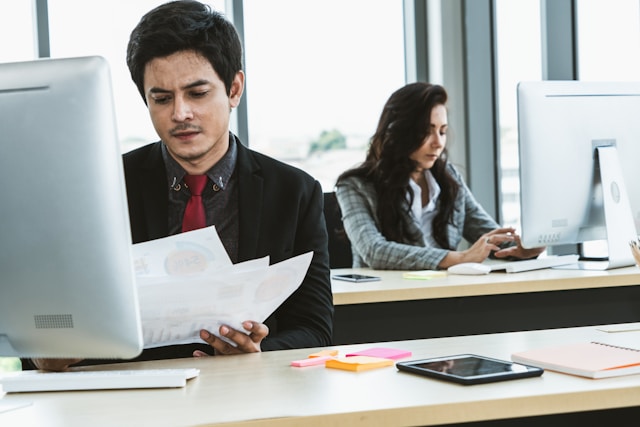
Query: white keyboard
[26,381]
[533,264]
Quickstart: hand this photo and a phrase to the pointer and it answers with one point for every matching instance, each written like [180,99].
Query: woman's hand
[482,247]
[518,251]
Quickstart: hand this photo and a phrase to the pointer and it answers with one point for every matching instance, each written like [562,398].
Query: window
[106,32]
[608,46]
[608,50]
[609,40]
[17,31]
[318,75]
[519,56]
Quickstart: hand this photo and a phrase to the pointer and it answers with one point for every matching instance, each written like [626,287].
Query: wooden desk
[263,390]
[397,308]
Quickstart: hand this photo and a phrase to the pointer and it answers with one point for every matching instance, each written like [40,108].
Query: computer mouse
[469,268]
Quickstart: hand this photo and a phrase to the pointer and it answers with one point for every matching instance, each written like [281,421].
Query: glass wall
[519,58]
[608,50]
[608,40]
[104,30]
[318,74]
[17,31]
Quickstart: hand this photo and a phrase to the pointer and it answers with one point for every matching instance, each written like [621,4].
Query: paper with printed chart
[186,282]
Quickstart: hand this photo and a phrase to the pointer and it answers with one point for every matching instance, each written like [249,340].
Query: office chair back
[339,245]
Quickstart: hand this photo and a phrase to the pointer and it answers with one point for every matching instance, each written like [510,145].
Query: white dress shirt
[423,216]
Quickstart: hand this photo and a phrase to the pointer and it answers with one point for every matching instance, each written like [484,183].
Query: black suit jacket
[280,215]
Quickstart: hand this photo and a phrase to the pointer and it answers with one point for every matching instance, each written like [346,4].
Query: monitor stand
[619,222]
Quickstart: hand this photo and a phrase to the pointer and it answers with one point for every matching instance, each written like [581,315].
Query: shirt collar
[434,192]
[219,174]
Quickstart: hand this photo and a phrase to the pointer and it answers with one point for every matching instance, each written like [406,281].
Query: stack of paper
[187,282]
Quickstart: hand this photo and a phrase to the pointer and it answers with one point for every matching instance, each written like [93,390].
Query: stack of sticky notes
[371,358]
[358,363]
[314,359]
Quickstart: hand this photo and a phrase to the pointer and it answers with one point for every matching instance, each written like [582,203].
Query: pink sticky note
[311,361]
[386,353]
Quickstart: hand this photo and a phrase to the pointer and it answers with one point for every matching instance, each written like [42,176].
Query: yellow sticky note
[358,363]
[423,274]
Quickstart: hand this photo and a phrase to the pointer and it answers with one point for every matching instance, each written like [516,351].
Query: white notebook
[28,381]
[586,359]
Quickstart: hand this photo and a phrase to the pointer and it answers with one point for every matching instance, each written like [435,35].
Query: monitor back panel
[65,237]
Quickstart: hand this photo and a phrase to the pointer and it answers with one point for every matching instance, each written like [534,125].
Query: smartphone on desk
[469,369]
[355,277]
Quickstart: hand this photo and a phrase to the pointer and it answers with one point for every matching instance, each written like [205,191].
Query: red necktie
[194,216]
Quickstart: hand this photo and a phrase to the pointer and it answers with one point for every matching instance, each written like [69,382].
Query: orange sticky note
[323,353]
[358,363]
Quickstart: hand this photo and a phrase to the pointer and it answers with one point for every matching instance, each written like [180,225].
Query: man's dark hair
[182,26]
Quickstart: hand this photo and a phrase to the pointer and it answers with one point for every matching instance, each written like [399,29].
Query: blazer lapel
[155,197]
[250,203]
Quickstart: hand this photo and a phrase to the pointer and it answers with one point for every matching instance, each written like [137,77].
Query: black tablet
[469,369]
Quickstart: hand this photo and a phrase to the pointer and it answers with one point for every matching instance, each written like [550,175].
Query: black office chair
[339,245]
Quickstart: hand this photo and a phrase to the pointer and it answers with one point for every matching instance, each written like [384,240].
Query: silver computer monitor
[579,145]
[67,285]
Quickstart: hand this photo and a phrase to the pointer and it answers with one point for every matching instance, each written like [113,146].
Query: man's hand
[245,343]
[54,364]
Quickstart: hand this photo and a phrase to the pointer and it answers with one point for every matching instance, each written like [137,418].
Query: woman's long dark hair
[403,126]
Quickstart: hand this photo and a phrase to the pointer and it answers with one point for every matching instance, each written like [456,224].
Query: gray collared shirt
[220,197]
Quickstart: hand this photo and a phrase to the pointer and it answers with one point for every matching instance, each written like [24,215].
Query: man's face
[190,108]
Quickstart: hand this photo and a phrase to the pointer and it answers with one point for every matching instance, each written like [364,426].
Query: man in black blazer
[186,61]
[279,215]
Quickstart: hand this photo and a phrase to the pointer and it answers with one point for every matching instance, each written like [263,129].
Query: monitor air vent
[53,321]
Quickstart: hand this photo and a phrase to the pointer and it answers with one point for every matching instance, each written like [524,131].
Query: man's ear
[237,87]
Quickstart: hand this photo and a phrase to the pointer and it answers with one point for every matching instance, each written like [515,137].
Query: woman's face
[434,143]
